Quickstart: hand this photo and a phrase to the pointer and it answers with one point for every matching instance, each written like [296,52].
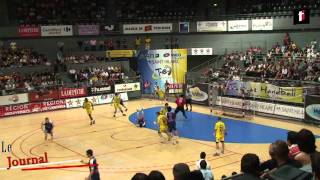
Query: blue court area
[200,127]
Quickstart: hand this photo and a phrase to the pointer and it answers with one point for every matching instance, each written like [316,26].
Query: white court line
[42,164]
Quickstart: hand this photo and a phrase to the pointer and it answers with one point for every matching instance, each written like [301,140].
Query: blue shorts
[172,126]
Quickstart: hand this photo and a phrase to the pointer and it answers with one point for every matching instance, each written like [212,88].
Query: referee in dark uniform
[93,168]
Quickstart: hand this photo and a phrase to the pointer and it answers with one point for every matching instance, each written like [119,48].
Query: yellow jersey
[116,99]
[164,111]
[220,129]
[162,122]
[88,105]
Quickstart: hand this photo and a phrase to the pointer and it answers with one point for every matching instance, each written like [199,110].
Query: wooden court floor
[121,148]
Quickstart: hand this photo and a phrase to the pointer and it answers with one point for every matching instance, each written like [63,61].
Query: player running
[88,106]
[122,104]
[171,116]
[164,110]
[47,127]
[180,101]
[219,131]
[116,104]
[163,126]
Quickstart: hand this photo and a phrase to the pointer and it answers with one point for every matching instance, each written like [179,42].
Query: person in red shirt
[292,144]
[180,101]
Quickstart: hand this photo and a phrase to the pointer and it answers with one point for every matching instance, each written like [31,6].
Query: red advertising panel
[72,92]
[32,107]
[29,31]
[43,96]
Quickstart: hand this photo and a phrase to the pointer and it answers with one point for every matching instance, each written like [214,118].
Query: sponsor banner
[127,87]
[238,25]
[78,102]
[184,27]
[163,65]
[99,90]
[14,99]
[270,108]
[108,29]
[106,99]
[32,107]
[88,29]
[198,93]
[147,28]
[120,53]
[261,107]
[265,91]
[201,51]
[262,24]
[72,92]
[312,108]
[29,31]
[46,95]
[62,30]
[211,26]
[289,111]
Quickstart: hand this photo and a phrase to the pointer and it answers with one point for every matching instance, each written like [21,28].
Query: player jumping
[116,104]
[219,131]
[88,106]
[47,127]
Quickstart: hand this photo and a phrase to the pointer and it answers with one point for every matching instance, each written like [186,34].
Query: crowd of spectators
[287,61]
[143,9]
[82,59]
[59,11]
[295,159]
[258,6]
[27,82]
[15,56]
[98,75]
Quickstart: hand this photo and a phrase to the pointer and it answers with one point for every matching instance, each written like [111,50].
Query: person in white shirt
[206,173]
[202,157]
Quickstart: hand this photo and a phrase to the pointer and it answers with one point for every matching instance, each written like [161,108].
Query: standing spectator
[137,43]
[207,173]
[118,43]
[124,43]
[250,167]
[93,44]
[202,157]
[167,43]
[176,43]
[147,42]
[110,45]
[156,175]
[80,43]
[180,171]
[60,45]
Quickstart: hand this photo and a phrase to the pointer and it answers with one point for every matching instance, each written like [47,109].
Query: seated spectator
[140,176]
[207,173]
[180,171]
[306,143]
[315,163]
[194,175]
[292,144]
[202,157]
[250,167]
[156,175]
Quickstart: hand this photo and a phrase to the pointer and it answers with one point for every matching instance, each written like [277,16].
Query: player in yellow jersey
[116,104]
[163,126]
[164,110]
[219,131]
[88,106]
[160,94]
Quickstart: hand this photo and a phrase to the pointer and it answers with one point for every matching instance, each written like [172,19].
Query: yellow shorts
[89,111]
[219,139]
[117,106]
[163,129]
